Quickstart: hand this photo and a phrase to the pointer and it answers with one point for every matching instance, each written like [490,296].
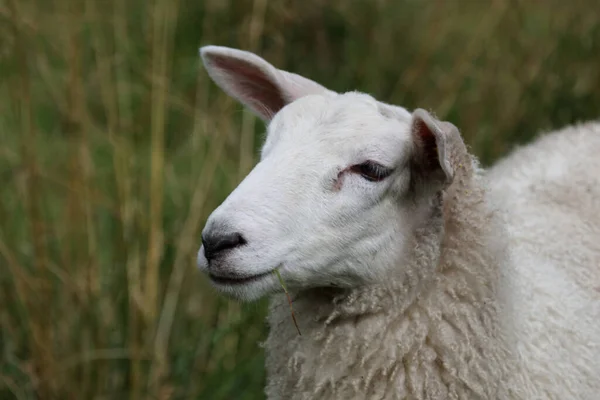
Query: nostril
[218,243]
[241,240]
[230,241]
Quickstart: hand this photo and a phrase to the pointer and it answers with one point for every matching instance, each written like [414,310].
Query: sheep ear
[254,82]
[434,140]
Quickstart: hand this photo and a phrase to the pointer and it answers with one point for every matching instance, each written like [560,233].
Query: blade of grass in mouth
[289,299]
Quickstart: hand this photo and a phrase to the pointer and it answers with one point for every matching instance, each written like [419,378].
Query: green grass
[115,147]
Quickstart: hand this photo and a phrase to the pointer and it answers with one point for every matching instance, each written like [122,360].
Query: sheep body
[550,194]
[526,326]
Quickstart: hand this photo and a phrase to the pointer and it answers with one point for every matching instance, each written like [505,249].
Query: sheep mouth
[237,280]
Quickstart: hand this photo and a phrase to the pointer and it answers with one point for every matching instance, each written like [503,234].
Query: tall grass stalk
[39,323]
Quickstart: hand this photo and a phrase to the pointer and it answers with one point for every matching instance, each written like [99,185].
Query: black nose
[214,244]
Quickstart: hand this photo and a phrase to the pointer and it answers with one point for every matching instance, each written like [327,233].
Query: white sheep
[406,281]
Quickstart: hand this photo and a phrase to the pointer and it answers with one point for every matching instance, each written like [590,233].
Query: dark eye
[371,171]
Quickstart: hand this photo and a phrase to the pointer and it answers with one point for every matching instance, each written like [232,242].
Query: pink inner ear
[427,143]
[252,85]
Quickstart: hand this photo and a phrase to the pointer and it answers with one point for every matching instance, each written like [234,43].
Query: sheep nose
[215,244]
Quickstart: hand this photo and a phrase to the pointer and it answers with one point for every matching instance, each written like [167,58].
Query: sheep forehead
[343,124]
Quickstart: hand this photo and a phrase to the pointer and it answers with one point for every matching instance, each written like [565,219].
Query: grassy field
[115,147]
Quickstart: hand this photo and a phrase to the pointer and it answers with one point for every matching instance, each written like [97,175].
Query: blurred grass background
[115,147]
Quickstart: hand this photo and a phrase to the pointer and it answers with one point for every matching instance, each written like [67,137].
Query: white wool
[550,191]
[434,280]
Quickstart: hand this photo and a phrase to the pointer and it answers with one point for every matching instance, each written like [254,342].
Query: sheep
[414,272]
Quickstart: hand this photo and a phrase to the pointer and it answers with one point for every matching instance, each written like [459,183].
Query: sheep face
[336,193]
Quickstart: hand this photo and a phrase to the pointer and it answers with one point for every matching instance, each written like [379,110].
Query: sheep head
[342,182]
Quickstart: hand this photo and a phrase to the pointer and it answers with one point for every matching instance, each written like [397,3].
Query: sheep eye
[371,171]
